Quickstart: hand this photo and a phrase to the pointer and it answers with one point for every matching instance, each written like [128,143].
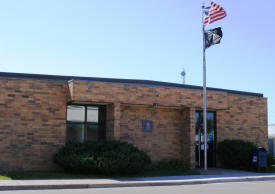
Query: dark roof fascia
[122,81]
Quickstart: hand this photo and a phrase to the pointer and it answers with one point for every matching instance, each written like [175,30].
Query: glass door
[211,139]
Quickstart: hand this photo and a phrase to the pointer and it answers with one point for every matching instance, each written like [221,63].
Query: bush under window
[103,157]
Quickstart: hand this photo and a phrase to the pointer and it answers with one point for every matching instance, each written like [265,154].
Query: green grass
[65,175]
[4,177]
[46,175]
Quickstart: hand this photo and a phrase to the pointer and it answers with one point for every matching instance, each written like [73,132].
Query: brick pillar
[220,135]
[189,132]
[192,137]
[113,121]
[109,122]
[116,121]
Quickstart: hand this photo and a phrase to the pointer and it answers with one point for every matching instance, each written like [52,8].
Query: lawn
[65,175]
[4,177]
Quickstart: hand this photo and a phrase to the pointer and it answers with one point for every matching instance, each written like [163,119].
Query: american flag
[213,13]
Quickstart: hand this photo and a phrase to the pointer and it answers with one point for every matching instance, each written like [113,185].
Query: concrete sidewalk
[225,176]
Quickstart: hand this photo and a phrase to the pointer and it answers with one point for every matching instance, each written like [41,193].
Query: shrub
[103,157]
[270,160]
[171,164]
[235,154]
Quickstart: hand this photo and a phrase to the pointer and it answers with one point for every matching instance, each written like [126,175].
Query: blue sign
[147,125]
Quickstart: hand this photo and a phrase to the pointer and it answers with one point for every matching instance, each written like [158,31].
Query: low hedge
[235,154]
[103,157]
[270,160]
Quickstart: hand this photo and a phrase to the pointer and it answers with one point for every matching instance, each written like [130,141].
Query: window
[85,123]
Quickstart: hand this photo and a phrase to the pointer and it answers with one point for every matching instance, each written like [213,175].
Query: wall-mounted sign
[147,125]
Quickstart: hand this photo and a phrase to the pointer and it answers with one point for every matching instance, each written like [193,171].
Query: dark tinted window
[85,123]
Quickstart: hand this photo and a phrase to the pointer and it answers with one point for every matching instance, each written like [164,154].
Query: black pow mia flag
[212,37]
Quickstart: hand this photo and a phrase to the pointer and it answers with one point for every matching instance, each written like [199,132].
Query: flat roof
[122,81]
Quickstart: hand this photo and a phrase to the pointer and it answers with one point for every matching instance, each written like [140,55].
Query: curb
[136,184]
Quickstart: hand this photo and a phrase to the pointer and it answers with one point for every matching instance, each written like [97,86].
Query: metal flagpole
[204,95]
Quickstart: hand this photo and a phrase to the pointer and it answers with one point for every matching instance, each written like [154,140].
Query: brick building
[39,113]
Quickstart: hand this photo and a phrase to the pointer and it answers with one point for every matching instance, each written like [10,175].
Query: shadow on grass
[35,175]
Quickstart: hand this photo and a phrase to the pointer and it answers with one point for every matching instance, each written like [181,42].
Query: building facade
[39,113]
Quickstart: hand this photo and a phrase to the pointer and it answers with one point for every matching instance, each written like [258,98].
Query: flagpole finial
[202,3]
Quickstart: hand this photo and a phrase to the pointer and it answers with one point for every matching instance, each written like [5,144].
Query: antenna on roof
[183,74]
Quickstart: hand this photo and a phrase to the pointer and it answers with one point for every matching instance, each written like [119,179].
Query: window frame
[101,120]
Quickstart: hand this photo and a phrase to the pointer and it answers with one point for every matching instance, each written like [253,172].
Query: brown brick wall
[238,117]
[245,118]
[165,141]
[32,123]
[33,118]
[189,131]
[110,122]
[144,95]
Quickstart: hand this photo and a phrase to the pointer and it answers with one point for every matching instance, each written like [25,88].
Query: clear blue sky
[141,39]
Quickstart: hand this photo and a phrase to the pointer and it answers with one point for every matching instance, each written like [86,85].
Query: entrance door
[211,139]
